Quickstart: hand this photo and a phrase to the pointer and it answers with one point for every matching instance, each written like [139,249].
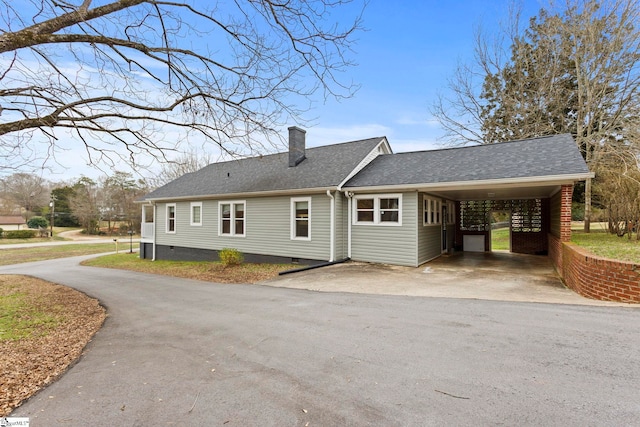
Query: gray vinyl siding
[429,242]
[341,226]
[187,235]
[430,236]
[267,228]
[389,244]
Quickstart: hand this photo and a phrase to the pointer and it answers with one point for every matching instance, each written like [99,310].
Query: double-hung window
[171,218]
[383,209]
[301,218]
[232,218]
[432,211]
[389,209]
[196,213]
[451,211]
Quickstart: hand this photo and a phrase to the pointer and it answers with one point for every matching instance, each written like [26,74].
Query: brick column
[565,212]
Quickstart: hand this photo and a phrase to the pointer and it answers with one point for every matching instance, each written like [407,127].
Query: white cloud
[412,120]
[399,139]
[332,135]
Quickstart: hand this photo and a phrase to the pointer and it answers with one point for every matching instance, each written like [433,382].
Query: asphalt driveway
[187,353]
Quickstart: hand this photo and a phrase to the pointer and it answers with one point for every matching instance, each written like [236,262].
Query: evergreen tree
[576,70]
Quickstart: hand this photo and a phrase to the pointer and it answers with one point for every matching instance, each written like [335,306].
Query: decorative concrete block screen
[529,222]
[526,214]
[474,215]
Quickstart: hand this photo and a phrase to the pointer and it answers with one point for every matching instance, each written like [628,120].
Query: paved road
[176,352]
[122,242]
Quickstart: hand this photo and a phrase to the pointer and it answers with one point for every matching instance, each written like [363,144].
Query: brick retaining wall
[593,276]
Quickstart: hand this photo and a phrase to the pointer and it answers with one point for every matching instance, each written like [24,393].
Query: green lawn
[41,253]
[33,240]
[598,242]
[500,239]
[608,245]
[199,270]
[19,316]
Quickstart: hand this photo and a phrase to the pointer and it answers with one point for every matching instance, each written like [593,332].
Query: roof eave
[296,192]
[495,183]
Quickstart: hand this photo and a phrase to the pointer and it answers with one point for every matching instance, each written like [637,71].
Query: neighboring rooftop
[528,158]
[323,167]
[12,220]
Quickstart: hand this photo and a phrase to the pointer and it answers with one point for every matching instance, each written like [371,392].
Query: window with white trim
[232,218]
[451,212]
[382,209]
[171,218]
[301,218]
[196,213]
[432,211]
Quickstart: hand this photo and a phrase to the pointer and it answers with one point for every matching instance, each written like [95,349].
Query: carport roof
[546,158]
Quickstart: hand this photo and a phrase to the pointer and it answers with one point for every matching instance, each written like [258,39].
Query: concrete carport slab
[499,276]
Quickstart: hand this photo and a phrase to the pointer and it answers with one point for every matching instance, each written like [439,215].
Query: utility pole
[52,205]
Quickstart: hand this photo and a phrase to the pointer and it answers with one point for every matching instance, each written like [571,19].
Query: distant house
[12,222]
[361,201]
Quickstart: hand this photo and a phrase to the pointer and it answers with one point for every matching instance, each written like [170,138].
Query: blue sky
[404,61]
[404,58]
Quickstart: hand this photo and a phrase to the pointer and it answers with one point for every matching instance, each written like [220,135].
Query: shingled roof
[12,220]
[548,156]
[323,167]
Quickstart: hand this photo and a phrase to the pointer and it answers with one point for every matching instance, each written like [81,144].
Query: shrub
[19,234]
[577,211]
[230,256]
[1,230]
[37,222]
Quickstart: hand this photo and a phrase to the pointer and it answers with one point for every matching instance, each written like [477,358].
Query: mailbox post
[130,232]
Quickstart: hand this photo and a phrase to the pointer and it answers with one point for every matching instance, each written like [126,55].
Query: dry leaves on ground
[28,364]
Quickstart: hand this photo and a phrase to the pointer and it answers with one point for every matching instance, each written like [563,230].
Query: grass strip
[42,253]
[21,318]
[198,270]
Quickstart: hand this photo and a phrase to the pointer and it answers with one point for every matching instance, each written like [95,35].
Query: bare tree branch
[151,75]
[571,70]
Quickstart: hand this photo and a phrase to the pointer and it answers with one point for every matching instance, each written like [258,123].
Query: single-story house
[361,201]
[12,222]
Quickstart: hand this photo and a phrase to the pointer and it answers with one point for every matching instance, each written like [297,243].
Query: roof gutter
[239,195]
[495,183]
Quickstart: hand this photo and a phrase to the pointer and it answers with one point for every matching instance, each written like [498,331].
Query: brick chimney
[296,146]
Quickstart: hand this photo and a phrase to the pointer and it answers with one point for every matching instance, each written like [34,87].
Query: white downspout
[332,226]
[349,208]
[155,221]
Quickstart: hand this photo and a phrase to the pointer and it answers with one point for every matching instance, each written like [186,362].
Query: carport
[532,180]
[533,210]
